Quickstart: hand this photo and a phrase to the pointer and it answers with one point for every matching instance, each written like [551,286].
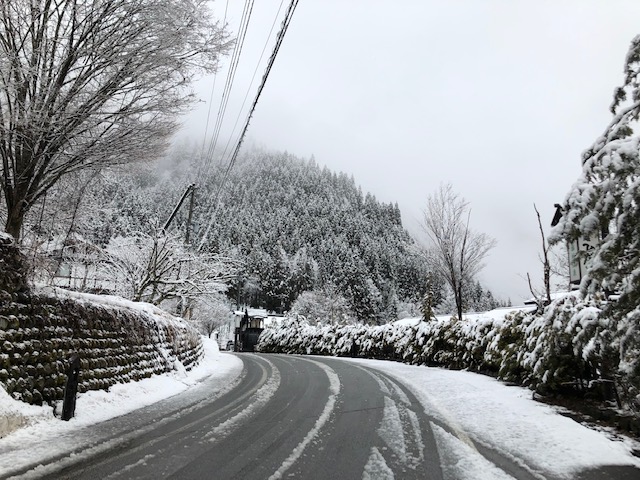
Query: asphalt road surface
[286,417]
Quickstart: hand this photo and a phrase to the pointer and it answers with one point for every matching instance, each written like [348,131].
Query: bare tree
[555,268]
[210,312]
[155,268]
[544,299]
[457,252]
[87,83]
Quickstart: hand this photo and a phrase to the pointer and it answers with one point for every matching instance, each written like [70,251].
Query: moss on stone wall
[39,333]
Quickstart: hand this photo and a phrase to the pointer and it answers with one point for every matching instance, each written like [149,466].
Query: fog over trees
[288,235]
[90,94]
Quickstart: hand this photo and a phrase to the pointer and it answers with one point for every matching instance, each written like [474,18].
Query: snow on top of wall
[156,313]
[252,312]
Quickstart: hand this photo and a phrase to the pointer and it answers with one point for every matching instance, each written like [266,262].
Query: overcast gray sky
[497,97]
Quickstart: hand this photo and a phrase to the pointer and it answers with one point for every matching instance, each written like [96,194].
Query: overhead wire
[280,37]
[235,58]
[207,158]
[213,87]
[253,77]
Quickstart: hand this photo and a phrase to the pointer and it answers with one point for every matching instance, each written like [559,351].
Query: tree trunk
[15,218]
[458,297]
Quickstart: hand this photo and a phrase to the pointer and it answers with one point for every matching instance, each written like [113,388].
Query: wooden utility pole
[189,191]
[191,205]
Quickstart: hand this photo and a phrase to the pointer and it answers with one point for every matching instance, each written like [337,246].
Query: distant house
[73,263]
[248,327]
[245,328]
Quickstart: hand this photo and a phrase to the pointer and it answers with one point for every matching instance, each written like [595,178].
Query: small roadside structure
[249,324]
[580,251]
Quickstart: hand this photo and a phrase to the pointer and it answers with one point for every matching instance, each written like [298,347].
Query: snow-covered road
[272,416]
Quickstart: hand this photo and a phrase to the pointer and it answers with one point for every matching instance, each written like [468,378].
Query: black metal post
[71,388]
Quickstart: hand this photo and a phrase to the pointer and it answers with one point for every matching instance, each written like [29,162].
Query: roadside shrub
[573,347]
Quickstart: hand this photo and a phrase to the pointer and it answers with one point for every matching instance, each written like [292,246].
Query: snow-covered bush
[570,348]
[323,306]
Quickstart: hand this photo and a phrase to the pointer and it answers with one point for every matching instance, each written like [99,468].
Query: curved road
[286,417]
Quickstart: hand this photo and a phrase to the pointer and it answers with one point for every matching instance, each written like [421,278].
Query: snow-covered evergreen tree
[604,203]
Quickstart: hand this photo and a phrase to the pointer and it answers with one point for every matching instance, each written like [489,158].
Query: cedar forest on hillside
[281,225]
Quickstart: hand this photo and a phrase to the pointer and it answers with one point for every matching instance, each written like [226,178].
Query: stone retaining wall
[38,334]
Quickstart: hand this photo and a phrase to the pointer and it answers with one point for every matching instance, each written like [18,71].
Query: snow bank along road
[296,417]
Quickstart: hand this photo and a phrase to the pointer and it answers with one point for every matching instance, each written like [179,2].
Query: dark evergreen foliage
[301,227]
[295,226]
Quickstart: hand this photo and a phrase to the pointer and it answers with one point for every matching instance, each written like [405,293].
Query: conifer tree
[604,203]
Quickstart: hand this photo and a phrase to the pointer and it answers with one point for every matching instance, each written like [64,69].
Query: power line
[280,37]
[255,71]
[235,58]
[213,87]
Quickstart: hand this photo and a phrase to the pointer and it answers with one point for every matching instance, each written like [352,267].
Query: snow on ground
[39,423]
[496,314]
[475,407]
[506,419]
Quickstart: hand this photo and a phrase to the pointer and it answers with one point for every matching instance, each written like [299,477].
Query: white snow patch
[334,388]
[383,386]
[142,462]
[460,462]
[391,431]
[400,393]
[44,436]
[376,468]
[6,238]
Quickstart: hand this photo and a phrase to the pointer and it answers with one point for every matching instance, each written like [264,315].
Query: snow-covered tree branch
[604,203]
[155,268]
[87,83]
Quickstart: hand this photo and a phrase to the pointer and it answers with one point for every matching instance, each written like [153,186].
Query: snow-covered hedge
[571,347]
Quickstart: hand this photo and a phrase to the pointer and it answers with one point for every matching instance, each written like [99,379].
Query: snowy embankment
[43,435]
[480,411]
[569,349]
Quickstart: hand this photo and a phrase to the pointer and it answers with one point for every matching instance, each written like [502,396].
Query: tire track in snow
[461,462]
[334,387]
[391,430]
[257,401]
[399,430]
[503,461]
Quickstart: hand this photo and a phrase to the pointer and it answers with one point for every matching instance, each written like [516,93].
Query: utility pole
[191,205]
[189,191]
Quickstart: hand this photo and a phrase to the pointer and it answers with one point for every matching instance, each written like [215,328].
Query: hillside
[278,227]
[300,227]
